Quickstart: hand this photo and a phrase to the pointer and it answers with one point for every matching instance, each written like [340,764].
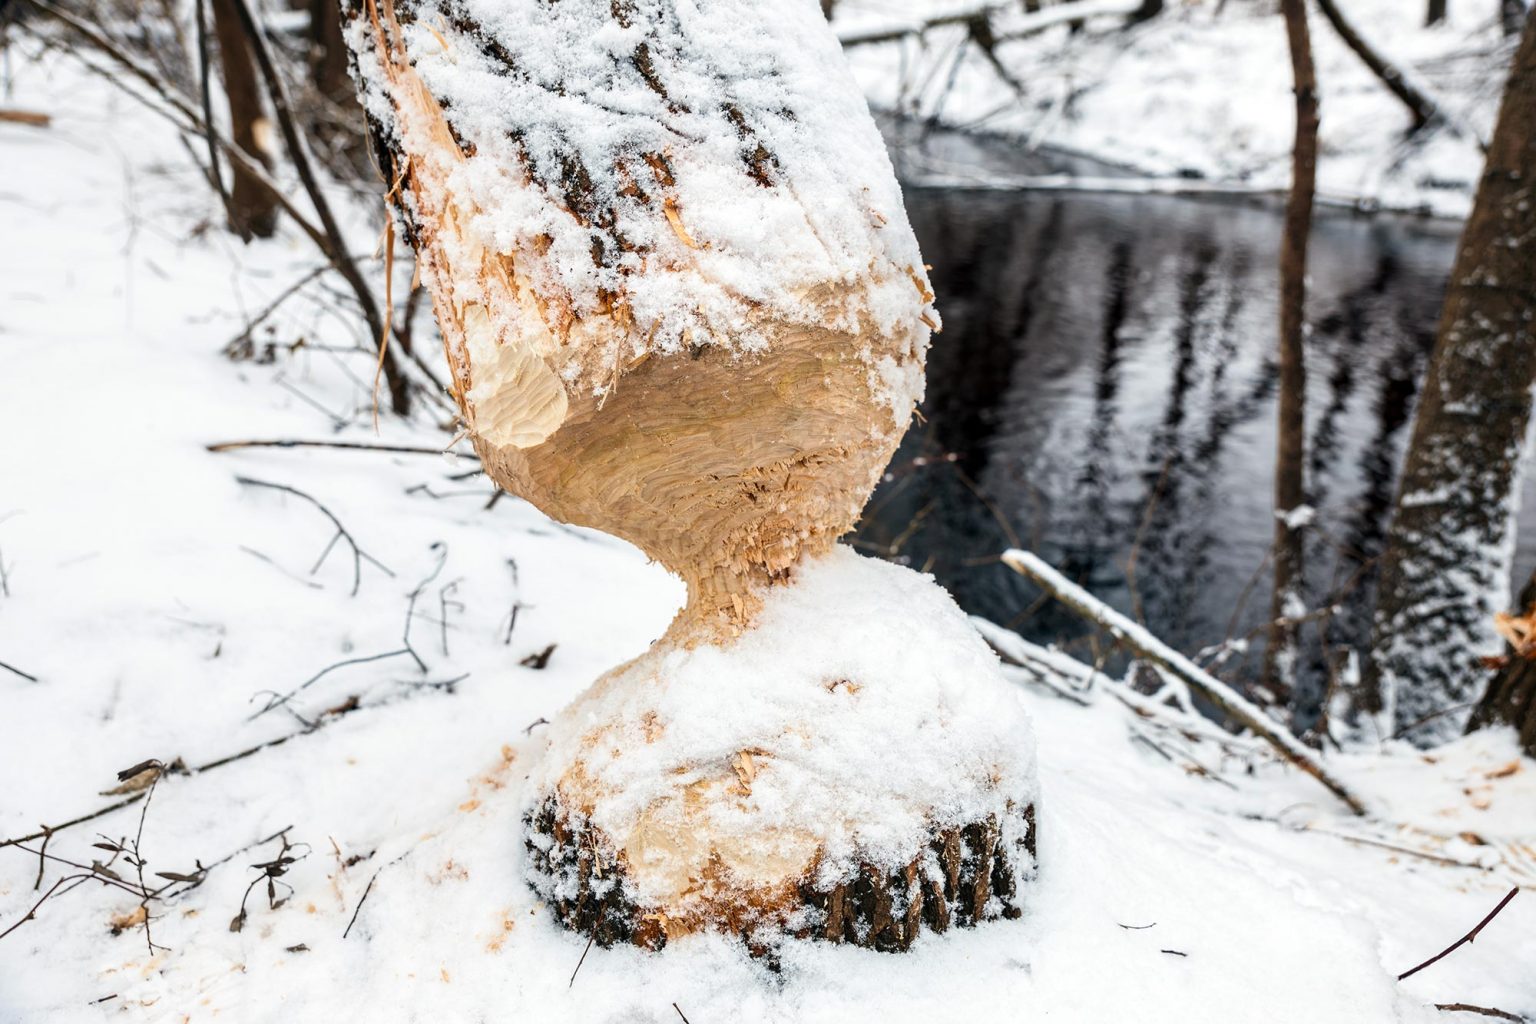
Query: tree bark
[328,52]
[252,213]
[1290,460]
[1445,569]
[1511,696]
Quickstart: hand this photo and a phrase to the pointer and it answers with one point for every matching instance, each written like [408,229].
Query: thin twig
[1471,936]
[358,554]
[359,908]
[29,677]
[1486,1011]
[398,449]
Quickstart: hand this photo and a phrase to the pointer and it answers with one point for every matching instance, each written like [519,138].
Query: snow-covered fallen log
[1152,650]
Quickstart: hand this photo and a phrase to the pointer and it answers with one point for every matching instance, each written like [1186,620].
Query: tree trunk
[1435,14]
[1288,602]
[696,318]
[328,52]
[1445,569]
[252,213]
[1511,696]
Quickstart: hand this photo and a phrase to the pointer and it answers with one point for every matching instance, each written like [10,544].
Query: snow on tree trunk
[1445,570]
[682,304]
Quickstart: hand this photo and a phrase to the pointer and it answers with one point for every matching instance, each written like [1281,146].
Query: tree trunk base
[963,876]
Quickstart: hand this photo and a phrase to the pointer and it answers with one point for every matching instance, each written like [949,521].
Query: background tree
[1445,569]
[252,210]
[1287,603]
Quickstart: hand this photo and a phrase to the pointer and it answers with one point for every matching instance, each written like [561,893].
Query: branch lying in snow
[1154,652]
[1486,1011]
[398,449]
[358,554]
[1027,25]
[29,677]
[1471,936]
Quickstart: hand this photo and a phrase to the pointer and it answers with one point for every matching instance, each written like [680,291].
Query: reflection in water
[1104,391]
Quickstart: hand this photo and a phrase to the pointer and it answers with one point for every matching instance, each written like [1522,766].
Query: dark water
[1106,373]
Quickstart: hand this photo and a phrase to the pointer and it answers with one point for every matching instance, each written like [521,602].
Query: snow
[1128,97]
[158,601]
[708,165]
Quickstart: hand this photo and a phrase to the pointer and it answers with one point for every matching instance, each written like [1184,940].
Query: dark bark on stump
[1290,484]
[964,876]
[1441,569]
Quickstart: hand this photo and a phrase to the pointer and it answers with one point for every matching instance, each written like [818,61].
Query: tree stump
[682,304]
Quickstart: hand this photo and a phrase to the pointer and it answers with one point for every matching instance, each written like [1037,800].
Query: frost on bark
[1445,570]
[681,303]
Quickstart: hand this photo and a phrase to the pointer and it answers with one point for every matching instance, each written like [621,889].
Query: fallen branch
[27,117]
[398,449]
[1486,1011]
[1471,936]
[1153,651]
[1420,105]
[29,677]
[358,554]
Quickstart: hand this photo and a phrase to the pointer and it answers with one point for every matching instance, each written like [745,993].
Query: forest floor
[1202,94]
[354,853]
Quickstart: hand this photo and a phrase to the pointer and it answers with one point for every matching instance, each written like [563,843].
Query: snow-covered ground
[1205,91]
[159,603]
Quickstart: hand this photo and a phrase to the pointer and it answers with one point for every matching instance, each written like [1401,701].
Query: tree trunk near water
[1445,569]
[252,213]
[1287,602]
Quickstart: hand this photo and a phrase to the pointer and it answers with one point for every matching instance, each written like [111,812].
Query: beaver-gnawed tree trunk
[1445,569]
[681,303]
